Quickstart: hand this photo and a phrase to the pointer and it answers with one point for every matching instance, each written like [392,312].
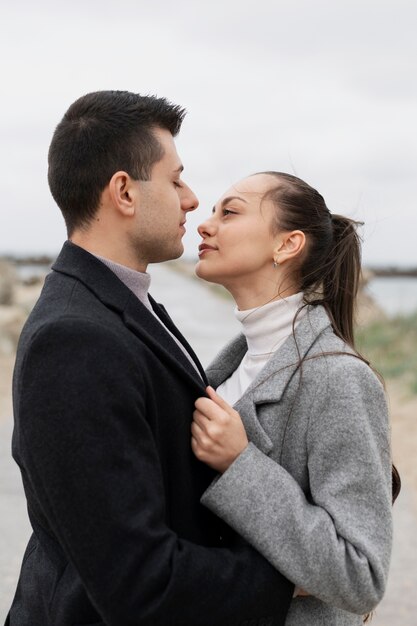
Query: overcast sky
[326,90]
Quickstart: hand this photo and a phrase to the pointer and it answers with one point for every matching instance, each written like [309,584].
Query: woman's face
[237,247]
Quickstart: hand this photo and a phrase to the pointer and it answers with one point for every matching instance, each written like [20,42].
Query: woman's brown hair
[330,266]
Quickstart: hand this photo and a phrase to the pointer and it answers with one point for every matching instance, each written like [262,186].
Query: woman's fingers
[203,433]
[223,408]
[196,429]
[210,410]
[213,406]
[211,428]
[214,396]
[203,446]
[217,433]
[200,418]
[204,406]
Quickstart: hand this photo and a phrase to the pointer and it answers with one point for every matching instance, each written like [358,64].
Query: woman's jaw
[249,290]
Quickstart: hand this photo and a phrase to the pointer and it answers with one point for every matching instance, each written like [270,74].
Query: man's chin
[178,253]
[170,255]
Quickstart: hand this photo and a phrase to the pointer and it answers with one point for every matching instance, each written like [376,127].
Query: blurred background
[326,90]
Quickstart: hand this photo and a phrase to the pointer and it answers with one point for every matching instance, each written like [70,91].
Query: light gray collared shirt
[138,283]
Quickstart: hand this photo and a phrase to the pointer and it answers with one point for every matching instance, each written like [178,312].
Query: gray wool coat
[312,491]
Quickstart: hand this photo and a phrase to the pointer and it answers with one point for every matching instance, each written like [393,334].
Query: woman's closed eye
[229,212]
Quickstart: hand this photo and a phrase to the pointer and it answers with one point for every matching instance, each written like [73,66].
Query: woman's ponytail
[341,275]
[329,271]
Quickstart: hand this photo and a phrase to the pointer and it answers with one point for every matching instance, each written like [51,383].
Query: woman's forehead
[256,185]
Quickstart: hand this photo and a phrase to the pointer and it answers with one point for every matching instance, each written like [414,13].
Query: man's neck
[120,255]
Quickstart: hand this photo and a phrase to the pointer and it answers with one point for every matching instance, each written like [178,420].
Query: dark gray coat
[103,401]
[312,492]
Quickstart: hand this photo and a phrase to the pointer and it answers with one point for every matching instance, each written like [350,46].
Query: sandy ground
[403,409]
[399,607]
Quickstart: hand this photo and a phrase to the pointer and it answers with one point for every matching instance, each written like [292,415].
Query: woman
[304,455]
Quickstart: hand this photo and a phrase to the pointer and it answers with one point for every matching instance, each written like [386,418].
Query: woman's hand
[218,435]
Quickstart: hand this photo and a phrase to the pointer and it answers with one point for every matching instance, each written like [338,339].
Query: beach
[206,319]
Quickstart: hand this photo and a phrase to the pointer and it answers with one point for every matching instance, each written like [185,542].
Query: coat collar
[76,262]
[272,381]
[269,385]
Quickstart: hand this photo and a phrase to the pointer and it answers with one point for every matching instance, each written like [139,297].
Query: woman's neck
[251,296]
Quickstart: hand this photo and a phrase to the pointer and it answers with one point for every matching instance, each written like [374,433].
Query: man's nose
[189,201]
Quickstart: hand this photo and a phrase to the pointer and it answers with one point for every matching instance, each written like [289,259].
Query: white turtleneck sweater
[265,328]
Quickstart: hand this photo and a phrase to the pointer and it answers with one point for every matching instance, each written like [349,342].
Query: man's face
[163,203]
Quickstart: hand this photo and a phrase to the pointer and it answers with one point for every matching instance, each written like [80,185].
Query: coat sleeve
[90,457]
[333,539]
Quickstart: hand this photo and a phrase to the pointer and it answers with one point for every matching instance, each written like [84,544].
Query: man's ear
[124,193]
[290,246]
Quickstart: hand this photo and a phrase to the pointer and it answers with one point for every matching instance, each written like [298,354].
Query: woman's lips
[204,248]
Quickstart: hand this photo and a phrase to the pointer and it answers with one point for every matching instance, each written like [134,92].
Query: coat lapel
[271,382]
[227,360]
[277,373]
[162,313]
[151,332]
[100,280]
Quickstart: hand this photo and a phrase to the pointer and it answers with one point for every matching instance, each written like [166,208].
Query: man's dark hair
[101,133]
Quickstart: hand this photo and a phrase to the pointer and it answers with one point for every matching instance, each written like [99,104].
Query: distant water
[27,272]
[395,296]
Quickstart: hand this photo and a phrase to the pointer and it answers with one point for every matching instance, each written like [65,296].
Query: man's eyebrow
[229,199]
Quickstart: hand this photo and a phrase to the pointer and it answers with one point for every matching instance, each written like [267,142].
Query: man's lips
[204,248]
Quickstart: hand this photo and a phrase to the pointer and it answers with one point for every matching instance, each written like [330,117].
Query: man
[104,390]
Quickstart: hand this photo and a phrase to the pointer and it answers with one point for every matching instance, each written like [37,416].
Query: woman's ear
[124,193]
[291,245]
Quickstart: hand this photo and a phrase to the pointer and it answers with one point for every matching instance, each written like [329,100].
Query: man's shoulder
[66,307]
[64,295]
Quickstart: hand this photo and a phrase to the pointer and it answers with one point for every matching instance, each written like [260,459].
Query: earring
[275,264]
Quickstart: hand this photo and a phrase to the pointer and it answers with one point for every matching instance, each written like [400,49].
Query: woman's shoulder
[332,358]
[347,380]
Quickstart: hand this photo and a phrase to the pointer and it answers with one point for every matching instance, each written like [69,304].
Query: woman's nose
[206,229]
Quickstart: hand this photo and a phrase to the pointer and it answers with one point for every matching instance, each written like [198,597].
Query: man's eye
[177,183]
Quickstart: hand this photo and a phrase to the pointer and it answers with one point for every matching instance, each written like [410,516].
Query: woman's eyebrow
[229,199]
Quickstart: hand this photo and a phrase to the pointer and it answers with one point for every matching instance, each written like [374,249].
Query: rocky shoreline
[17,298]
